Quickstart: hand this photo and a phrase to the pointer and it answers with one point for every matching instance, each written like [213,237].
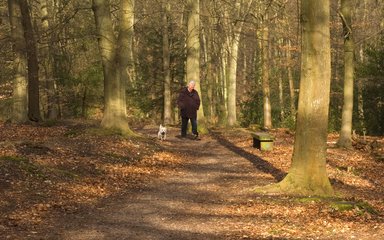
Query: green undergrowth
[359,206]
[341,205]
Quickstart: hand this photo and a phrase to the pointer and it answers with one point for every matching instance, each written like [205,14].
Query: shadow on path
[200,199]
[257,161]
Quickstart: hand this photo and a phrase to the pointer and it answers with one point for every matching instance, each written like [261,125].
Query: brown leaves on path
[48,173]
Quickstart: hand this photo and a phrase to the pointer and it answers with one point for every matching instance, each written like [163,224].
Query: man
[189,103]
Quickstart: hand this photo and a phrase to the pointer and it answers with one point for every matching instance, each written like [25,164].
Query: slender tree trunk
[242,9]
[281,96]
[20,94]
[33,65]
[292,97]
[124,52]
[307,174]
[224,87]
[125,42]
[232,81]
[278,61]
[209,78]
[360,84]
[345,139]
[265,71]
[167,114]
[84,102]
[193,56]
[52,106]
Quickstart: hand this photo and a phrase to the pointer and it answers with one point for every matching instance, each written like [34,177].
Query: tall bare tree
[20,82]
[193,54]
[167,112]
[267,109]
[292,97]
[345,139]
[114,60]
[241,10]
[33,64]
[47,62]
[307,174]
[125,42]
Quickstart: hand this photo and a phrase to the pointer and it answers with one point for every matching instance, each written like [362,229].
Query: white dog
[162,134]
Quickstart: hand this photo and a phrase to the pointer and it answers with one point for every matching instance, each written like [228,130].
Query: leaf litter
[46,172]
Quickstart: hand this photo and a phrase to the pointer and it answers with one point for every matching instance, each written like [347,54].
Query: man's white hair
[191,82]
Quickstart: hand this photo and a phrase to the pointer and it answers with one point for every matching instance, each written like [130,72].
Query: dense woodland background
[258,41]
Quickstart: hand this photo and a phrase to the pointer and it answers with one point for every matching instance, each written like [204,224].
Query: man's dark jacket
[188,102]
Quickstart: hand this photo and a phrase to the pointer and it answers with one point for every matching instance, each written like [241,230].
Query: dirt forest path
[196,202]
[206,195]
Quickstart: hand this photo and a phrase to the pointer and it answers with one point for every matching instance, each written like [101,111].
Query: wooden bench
[262,141]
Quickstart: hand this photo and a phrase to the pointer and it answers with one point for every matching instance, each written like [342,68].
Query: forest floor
[74,180]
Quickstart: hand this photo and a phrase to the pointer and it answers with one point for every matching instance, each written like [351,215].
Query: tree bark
[360,84]
[125,43]
[232,78]
[124,51]
[114,65]
[281,97]
[265,79]
[292,97]
[20,94]
[345,139]
[33,65]
[167,112]
[223,104]
[307,174]
[193,56]
[209,74]
[242,9]
[47,62]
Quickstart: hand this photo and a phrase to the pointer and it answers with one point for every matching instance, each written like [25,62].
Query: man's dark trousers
[184,125]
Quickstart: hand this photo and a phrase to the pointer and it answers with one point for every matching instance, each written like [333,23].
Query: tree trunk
[20,94]
[292,97]
[345,139]
[242,9]
[307,174]
[234,50]
[265,72]
[193,56]
[125,43]
[33,65]
[281,96]
[360,84]
[223,104]
[167,114]
[114,86]
[124,53]
[52,106]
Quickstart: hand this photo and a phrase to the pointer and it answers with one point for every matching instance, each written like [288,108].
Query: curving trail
[196,202]
[208,197]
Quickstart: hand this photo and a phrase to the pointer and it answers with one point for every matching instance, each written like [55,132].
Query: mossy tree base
[290,185]
[344,143]
[118,124]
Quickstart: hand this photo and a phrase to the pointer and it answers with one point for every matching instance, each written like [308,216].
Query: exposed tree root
[290,186]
